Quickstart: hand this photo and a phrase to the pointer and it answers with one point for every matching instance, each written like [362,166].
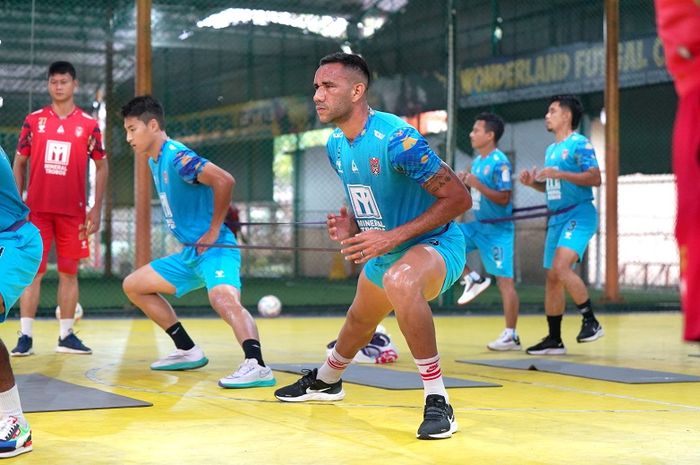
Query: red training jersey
[58,151]
[678,23]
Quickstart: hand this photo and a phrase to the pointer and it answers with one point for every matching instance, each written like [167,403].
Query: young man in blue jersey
[194,194]
[20,255]
[570,171]
[403,199]
[491,186]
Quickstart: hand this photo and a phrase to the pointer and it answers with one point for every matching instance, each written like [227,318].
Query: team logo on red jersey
[78,131]
[374,165]
[42,124]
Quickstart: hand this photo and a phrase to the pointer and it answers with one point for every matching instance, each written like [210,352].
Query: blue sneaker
[181,360]
[72,345]
[24,346]
[15,439]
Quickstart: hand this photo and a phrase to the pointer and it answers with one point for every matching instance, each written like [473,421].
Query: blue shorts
[188,271]
[573,230]
[20,256]
[495,247]
[450,246]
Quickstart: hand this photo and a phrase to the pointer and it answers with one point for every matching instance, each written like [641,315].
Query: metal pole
[109,133]
[142,182]
[612,147]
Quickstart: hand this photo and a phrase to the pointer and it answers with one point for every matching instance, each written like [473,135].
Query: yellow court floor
[534,418]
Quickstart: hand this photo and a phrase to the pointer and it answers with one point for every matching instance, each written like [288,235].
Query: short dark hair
[61,67]
[571,103]
[493,123]
[348,60]
[145,108]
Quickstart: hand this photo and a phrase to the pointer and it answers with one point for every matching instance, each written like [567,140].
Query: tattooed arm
[453,199]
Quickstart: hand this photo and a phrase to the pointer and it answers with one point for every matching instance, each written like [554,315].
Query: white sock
[26,326]
[10,405]
[475,276]
[333,368]
[431,374]
[66,325]
[511,332]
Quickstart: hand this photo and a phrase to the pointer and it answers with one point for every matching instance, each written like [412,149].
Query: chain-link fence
[235,78]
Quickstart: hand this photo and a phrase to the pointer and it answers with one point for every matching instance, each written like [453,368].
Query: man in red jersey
[678,23]
[57,142]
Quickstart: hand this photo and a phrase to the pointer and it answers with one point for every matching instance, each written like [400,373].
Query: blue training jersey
[495,172]
[383,170]
[187,205]
[12,209]
[574,154]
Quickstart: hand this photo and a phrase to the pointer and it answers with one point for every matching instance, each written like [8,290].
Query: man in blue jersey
[20,255]
[491,187]
[194,194]
[570,171]
[403,198]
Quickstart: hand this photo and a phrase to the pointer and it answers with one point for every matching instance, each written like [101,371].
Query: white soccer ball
[78,312]
[269,306]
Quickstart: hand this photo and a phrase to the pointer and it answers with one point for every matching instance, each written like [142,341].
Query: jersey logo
[354,167]
[378,135]
[564,154]
[219,273]
[374,165]
[60,129]
[42,124]
[363,202]
[78,131]
[57,157]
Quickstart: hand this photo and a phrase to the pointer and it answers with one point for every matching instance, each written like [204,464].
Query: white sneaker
[181,360]
[506,341]
[249,374]
[472,289]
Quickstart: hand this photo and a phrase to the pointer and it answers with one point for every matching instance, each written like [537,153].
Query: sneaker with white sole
[311,388]
[591,330]
[249,374]
[15,439]
[472,289]
[24,346]
[506,341]
[548,346]
[71,344]
[438,419]
[181,360]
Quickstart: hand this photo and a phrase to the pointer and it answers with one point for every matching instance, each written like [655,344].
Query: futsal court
[528,417]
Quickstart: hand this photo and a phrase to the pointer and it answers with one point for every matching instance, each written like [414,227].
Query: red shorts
[686,166]
[66,230]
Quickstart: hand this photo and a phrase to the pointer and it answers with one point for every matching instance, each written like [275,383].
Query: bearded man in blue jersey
[403,199]
[194,194]
[570,171]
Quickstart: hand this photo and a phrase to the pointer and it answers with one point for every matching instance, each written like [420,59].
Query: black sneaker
[548,346]
[438,419]
[590,331]
[24,346]
[310,388]
[72,345]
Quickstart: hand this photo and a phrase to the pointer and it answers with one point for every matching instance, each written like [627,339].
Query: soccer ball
[269,306]
[78,312]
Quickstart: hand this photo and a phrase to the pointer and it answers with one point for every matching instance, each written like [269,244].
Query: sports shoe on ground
[472,289]
[379,350]
[14,438]
[248,374]
[181,360]
[438,419]
[548,346]
[72,345]
[24,346]
[590,331]
[310,388]
[506,341]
